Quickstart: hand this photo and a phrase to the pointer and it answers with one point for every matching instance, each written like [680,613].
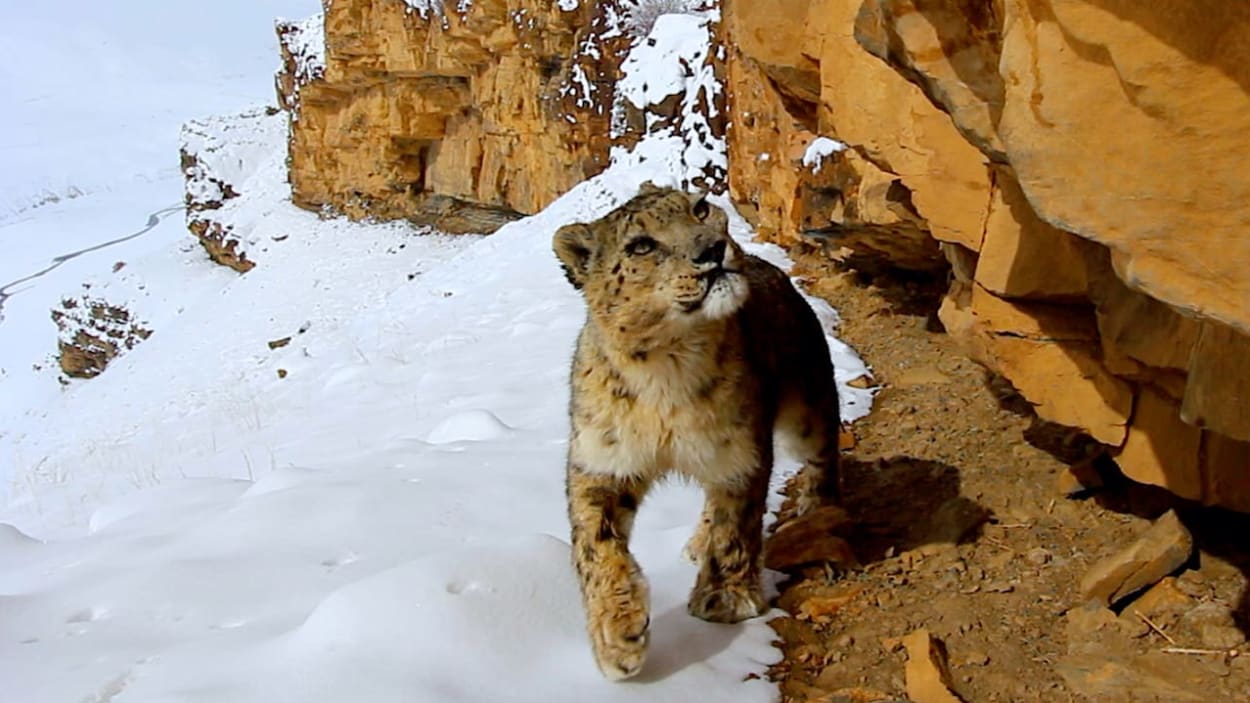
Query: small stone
[928,674]
[1193,584]
[823,607]
[278,343]
[1038,556]
[1164,598]
[1114,679]
[1215,625]
[281,373]
[1206,614]
[1085,622]
[854,695]
[861,382]
[1240,667]
[810,538]
[1162,549]
[1214,569]
[1221,636]
[1133,627]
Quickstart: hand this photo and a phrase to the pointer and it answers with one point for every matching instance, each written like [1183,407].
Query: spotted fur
[693,354]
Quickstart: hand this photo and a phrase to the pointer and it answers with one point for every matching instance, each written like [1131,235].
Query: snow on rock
[304,41]
[219,157]
[92,332]
[675,61]
[302,45]
[437,8]
[220,153]
[640,16]
[819,149]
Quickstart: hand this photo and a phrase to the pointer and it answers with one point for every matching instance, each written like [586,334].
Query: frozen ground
[385,522]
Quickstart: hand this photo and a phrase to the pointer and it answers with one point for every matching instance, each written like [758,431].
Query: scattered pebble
[1038,556]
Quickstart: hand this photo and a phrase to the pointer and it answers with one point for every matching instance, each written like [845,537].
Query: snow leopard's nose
[714,254]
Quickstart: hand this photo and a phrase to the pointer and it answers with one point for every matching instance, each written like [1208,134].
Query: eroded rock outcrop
[499,104]
[217,155]
[92,332]
[1082,163]
[468,103]
[907,176]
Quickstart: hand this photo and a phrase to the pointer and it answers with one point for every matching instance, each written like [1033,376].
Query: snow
[111,82]
[673,60]
[580,86]
[819,150]
[568,5]
[225,150]
[469,426]
[305,40]
[386,520]
[425,7]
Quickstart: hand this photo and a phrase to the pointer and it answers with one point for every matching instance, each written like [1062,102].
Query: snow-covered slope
[93,92]
[387,518]
[372,512]
[94,95]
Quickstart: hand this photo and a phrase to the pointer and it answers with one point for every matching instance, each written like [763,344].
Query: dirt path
[944,453]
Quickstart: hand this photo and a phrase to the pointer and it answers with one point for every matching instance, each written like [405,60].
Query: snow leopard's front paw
[619,623]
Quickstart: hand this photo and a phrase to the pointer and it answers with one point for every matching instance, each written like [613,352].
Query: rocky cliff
[1077,166]
[479,101]
[421,109]
[1080,162]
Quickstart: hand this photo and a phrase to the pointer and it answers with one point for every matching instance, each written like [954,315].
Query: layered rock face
[1081,162]
[480,102]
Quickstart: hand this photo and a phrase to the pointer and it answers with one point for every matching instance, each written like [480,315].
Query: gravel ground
[961,525]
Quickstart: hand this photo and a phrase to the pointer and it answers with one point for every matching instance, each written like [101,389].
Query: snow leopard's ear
[649,188]
[575,245]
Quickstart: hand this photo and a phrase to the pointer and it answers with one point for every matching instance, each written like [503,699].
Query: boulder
[1161,550]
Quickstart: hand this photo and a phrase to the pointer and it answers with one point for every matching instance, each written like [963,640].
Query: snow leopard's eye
[640,246]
